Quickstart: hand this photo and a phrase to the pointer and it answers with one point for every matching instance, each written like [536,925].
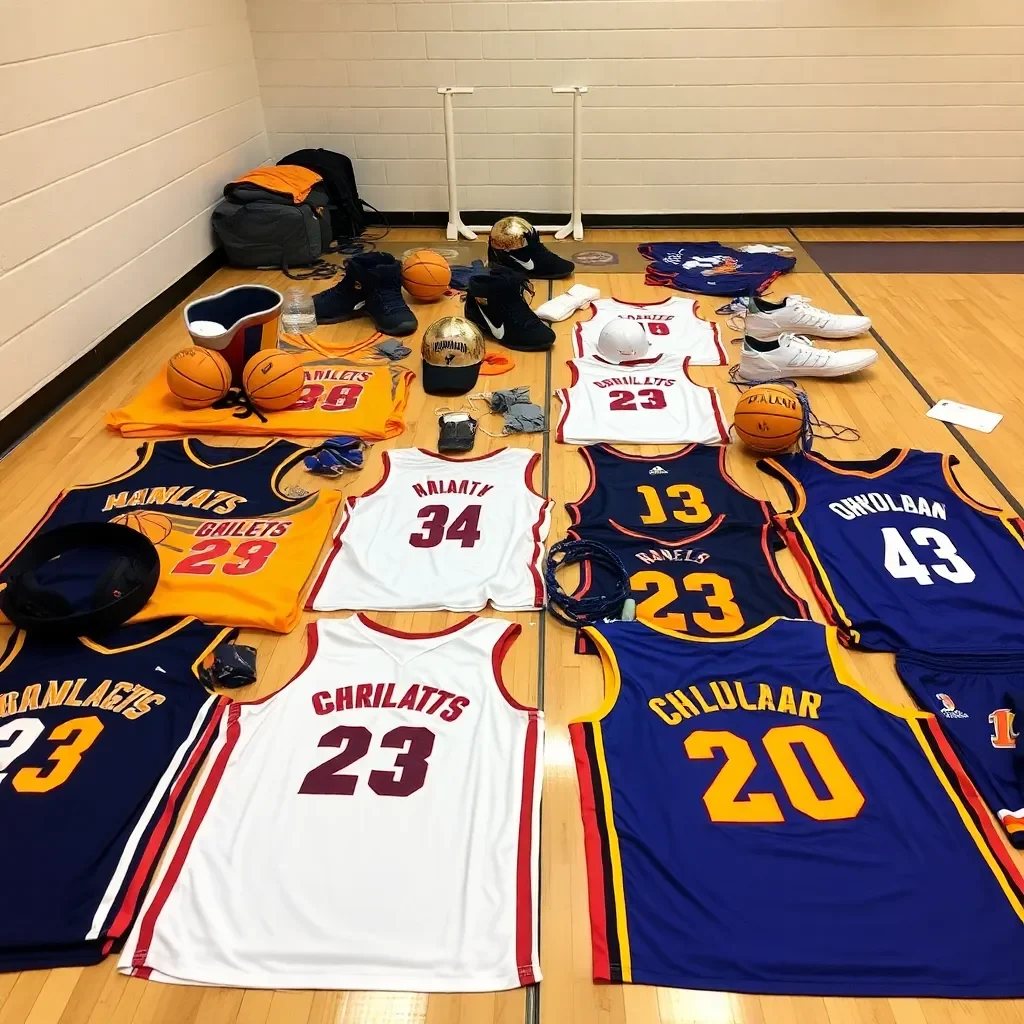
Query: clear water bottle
[297,313]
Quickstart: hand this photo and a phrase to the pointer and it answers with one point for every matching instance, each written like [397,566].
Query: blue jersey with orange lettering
[756,821]
[900,556]
[98,745]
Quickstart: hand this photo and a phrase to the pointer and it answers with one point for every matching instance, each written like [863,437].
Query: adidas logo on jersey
[658,471]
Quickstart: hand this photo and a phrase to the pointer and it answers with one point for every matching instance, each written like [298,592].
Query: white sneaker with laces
[796,356]
[795,314]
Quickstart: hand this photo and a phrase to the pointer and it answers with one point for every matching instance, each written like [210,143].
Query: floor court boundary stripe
[533,991]
[976,457]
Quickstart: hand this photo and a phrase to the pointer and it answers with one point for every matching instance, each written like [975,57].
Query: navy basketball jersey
[718,582]
[98,745]
[900,556]
[654,494]
[756,821]
[236,546]
[976,699]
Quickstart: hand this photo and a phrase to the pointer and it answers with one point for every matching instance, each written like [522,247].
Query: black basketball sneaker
[534,259]
[496,302]
[372,286]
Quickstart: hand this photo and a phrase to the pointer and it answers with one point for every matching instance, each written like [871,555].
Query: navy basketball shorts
[975,697]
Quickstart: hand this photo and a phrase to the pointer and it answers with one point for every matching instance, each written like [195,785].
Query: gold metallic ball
[453,341]
[510,233]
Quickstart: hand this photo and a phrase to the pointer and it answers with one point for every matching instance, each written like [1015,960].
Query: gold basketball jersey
[236,546]
[340,396]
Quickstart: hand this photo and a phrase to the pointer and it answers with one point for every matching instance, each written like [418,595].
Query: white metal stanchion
[575,225]
[455,225]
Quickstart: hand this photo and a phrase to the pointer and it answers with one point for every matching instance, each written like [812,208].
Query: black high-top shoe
[496,302]
[534,259]
[385,301]
[347,299]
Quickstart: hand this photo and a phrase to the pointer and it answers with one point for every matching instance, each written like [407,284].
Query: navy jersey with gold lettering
[756,821]
[661,494]
[236,544]
[98,744]
[900,556]
[716,582]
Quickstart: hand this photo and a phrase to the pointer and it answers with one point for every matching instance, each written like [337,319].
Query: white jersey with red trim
[672,326]
[644,401]
[441,533]
[373,825]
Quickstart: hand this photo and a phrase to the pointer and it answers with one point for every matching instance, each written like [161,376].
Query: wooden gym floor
[943,336]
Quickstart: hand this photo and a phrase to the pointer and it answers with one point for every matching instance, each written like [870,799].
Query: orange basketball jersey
[340,397]
[236,546]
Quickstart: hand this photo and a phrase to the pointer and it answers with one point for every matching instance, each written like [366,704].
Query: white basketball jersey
[646,401]
[673,326]
[438,532]
[372,825]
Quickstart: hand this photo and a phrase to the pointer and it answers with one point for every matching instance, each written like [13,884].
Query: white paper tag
[965,415]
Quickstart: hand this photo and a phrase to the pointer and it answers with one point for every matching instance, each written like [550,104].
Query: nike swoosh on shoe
[498,332]
[525,264]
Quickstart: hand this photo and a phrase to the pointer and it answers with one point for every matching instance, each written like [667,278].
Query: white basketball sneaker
[795,314]
[792,355]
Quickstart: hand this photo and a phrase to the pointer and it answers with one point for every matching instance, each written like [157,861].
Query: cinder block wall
[695,105]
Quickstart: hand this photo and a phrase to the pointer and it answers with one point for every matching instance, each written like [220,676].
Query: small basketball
[769,418]
[198,377]
[273,380]
[426,275]
[154,525]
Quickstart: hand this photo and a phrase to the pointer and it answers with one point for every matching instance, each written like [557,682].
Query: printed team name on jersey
[867,504]
[417,697]
[244,528]
[475,487]
[131,700]
[652,556]
[314,373]
[206,499]
[678,706]
[662,317]
[637,381]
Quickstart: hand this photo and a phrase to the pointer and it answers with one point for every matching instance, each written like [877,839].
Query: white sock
[563,306]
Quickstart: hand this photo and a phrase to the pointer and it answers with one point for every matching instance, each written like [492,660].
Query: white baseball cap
[621,340]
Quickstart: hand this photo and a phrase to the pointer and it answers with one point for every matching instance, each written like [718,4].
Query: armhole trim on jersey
[336,544]
[802,550]
[288,463]
[723,468]
[562,394]
[612,676]
[312,646]
[972,810]
[577,335]
[543,519]
[145,452]
[385,461]
[169,631]
[528,473]
[769,555]
[841,668]
[723,430]
[228,632]
[716,337]
[794,488]
[498,654]
[14,645]
[573,507]
[948,462]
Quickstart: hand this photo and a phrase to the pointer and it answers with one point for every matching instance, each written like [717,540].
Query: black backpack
[339,182]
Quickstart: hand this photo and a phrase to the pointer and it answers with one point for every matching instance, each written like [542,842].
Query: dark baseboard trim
[406,219]
[49,398]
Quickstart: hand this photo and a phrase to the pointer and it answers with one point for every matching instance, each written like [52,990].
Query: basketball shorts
[975,697]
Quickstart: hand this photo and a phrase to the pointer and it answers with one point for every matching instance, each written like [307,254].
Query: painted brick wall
[700,105]
[120,121]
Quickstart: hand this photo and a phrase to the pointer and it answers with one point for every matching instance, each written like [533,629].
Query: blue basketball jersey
[976,699]
[718,582]
[98,744]
[900,556]
[661,494]
[757,822]
[711,268]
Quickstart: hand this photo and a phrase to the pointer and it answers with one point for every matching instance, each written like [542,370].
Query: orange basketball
[154,525]
[273,379]
[198,377]
[769,418]
[426,274]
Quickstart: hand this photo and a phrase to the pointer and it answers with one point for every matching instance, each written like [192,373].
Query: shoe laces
[806,313]
[388,293]
[519,312]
